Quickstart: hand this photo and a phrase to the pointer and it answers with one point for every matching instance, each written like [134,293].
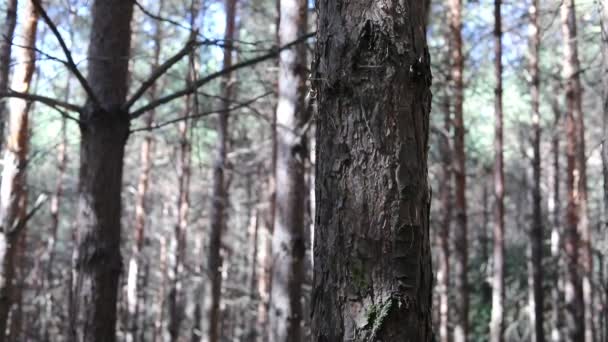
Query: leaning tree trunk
[372,266]
[6,39]
[219,196]
[536,231]
[460,236]
[498,277]
[579,319]
[288,247]
[104,129]
[13,189]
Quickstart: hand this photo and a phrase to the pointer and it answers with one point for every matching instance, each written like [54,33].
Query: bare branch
[68,55]
[42,99]
[156,74]
[199,83]
[188,117]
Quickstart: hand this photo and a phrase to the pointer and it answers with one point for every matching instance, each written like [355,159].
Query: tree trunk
[498,278]
[288,248]
[536,232]
[219,196]
[13,189]
[556,234]
[579,320]
[160,298]
[176,292]
[6,39]
[443,236]
[134,277]
[104,129]
[461,249]
[372,267]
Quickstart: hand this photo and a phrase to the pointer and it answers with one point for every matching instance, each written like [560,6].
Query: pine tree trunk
[288,247]
[460,236]
[104,129]
[6,38]
[13,189]
[219,196]
[579,320]
[443,236]
[372,267]
[498,279]
[134,277]
[556,233]
[536,232]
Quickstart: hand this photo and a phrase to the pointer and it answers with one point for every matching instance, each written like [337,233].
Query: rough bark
[13,189]
[578,254]
[460,232]
[288,248]
[536,232]
[134,276]
[104,130]
[6,38]
[498,278]
[219,196]
[372,267]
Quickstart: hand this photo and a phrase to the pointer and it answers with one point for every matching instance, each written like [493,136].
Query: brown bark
[219,196]
[104,130]
[443,236]
[372,266]
[13,189]
[460,236]
[134,277]
[160,298]
[6,38]
[579,315]
[288,246]
[535,285]
[498,278]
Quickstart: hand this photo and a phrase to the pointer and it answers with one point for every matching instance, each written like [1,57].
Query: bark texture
[6,38]
[219,195]
[460,236]
[535,268]
[288,247]
[13,189]
[579,317]
[104,130]
[372,266]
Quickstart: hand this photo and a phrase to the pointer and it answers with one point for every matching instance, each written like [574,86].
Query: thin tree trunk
[219,196]
[578,287]
[288,248]
[498,278]
[556,234]
[134,278]
[460,236]
[372,268]
[13,189]
[6,38]
[536,232]
[445,197]
[104,129]
[160,314]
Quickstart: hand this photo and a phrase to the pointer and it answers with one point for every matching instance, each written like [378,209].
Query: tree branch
[188,117]
[199,83]
[68,55]
[43,99]
[156,74]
